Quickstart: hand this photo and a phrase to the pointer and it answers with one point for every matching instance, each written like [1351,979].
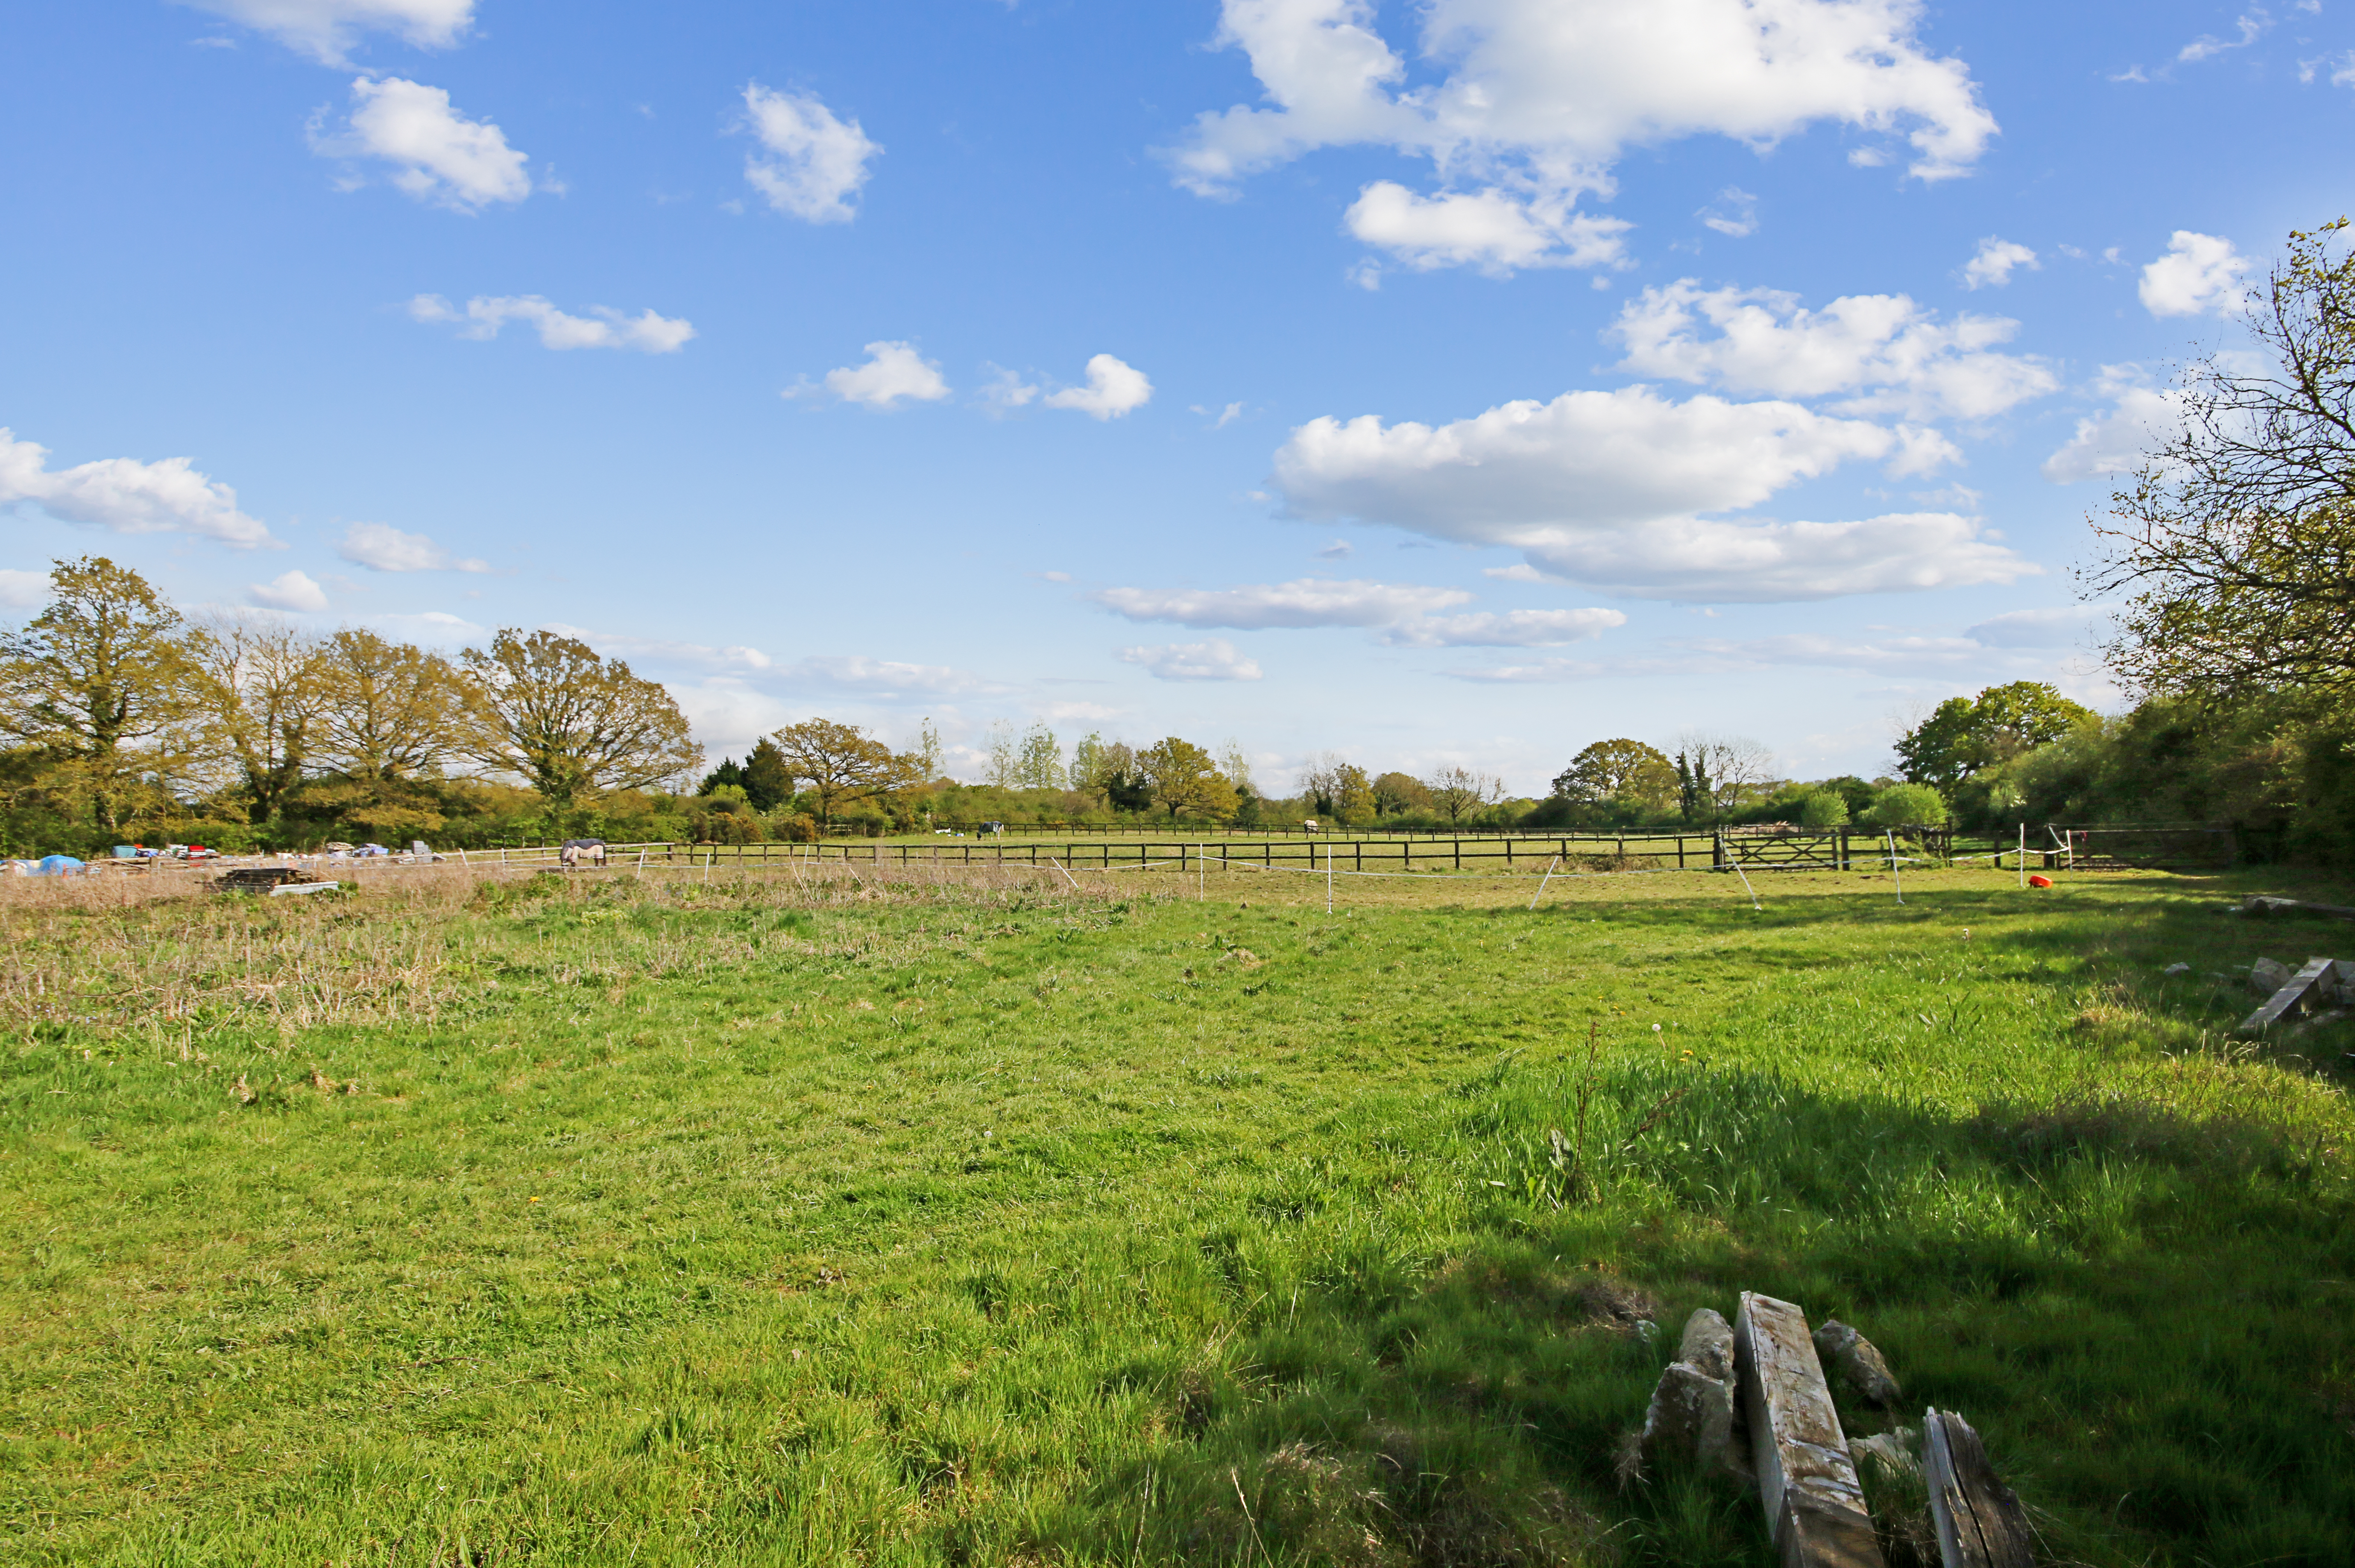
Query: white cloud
[1695,560]
[127,495]
[1006,389]
[1735,214]
[1490,230]
[2200,275]
[2253,24]
[817,162]
[883,678]
[1214,660]
[287,590]
[1113,388]
[432,629]
[1995,262]
[22,590]
[1890,354]
[603,328]
[1589,459]
[1609,489]
[2056,627]
[327,29]
[380,547]
[2121,440]
[892,371]
[1511,629]
[1305,602]
[1534,101]
[1970,656]
[437,154]
[1084,712]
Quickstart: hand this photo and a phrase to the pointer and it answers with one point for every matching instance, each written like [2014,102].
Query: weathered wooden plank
[2263,904]
[1806,1479]
[1980,1522]
[2317,982]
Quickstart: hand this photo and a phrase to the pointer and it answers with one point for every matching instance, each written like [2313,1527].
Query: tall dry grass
[169,954]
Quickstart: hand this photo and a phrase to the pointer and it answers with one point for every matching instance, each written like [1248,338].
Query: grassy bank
[935,1220]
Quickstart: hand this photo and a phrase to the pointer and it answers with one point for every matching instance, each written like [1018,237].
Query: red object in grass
[2040,881]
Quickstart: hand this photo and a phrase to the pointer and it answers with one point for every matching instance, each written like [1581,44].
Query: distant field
[917,1218]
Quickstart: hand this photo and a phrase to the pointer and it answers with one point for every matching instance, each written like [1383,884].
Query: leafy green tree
[1621,770]
[103,682]
[1907,805]
[1401,794]
[845,766]
[392,710]
[2238,536]
[1186,781]
[258,679]
[575,725]
[1696,797]
[1823,809]
[1965,735]
[727,775]
[1038,760]
[1108,770]
[768,778]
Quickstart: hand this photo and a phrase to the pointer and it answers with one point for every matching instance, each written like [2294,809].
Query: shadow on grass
[2129,1293]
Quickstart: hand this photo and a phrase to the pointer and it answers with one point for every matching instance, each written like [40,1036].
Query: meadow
[826,1217]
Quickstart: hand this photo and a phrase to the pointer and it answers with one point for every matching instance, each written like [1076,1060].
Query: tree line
[122,716]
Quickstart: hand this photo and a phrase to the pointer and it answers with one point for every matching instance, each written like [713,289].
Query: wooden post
[1980,1522]
[1815,1505]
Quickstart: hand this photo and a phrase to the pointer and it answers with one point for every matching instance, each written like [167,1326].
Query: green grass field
[917,1220]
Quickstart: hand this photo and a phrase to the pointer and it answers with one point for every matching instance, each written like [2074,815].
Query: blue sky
[1460,383]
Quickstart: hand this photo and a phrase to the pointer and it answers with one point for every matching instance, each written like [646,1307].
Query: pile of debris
[277,881]
[1749,1400]
[2319,991]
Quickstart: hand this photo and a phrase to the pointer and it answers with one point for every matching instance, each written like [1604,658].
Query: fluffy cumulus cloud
[437,154]
[811,163]
[2200,275]
[380,547]
[2008,645]
[1305,602]
[1883,353]
[1214,660]
[2120,438]
[1511,629]
[1113,388]
[327,29]
[1532,102]
[127,495]
[602,328]
[1490,229]
[1994,262]
[1613,489]
[289,590]
[894,373]
[22,590]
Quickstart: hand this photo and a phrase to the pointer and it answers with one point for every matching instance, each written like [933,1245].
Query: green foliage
[1907,805]
[2238,536]
[1823,809]
[1965,735]
[1622,771]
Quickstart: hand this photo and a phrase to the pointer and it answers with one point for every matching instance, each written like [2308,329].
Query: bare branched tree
[2238,536]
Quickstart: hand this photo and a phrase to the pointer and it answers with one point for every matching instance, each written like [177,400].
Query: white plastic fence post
[2023,855]
[1895,874]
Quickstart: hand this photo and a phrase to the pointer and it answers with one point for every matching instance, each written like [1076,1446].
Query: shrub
[1907,805]
[1822,809]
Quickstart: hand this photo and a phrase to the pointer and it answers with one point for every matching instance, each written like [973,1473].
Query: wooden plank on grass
[1806,1478]
[2317,982]
[1979,1520]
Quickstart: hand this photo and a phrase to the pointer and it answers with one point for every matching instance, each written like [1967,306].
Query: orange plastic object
[2040,881]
